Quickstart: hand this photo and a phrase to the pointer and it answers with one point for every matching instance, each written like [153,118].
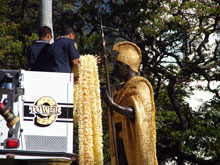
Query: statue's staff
[108,86]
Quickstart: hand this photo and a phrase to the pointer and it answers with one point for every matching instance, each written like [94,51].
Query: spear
[108,86]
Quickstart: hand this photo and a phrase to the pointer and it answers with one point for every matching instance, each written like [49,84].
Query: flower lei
[88,112]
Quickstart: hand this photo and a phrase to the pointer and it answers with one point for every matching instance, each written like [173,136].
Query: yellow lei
[88,112]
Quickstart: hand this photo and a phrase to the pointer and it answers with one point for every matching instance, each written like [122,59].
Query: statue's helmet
[128,53]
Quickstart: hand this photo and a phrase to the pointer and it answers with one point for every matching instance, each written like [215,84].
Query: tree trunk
[46,15]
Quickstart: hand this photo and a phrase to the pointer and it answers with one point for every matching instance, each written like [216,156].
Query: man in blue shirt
[62,54]
[36,52]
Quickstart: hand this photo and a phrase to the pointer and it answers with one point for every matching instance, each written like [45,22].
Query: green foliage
[11,46]
[202,135]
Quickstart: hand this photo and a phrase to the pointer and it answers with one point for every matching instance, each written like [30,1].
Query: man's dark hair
[43,31]
[67,30]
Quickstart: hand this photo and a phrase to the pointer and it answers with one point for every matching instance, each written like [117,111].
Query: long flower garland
[88,112]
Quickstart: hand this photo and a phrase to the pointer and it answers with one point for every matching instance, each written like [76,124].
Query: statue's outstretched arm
[126,111]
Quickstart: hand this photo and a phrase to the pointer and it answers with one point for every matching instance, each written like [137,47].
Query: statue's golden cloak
[139,136]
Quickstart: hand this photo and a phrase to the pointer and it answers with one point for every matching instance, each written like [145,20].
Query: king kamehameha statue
[133,110]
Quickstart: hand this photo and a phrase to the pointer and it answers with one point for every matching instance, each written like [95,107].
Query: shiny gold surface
[128,53]
[139,137]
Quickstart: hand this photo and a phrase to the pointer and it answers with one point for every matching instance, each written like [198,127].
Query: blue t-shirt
[60,54]
[36,53]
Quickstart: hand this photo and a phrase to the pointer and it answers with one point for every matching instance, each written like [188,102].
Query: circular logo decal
[46,111]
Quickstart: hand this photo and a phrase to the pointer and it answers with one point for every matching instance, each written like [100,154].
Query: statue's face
[120,70]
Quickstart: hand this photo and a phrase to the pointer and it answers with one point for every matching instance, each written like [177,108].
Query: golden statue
[133,110]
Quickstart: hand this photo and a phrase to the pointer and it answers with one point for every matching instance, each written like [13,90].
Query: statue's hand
[106,97]
[126,111]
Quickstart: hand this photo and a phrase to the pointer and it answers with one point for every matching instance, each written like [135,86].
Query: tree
[17,31]
[174,39]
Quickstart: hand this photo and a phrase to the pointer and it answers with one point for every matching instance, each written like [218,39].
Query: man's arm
[75,62]
[29,55]
[73,54]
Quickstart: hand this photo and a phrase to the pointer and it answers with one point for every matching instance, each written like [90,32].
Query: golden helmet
[128,53]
